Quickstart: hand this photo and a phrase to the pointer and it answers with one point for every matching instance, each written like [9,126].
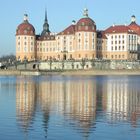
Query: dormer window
[28,28]
[83,23]
[86,27]
[25,31]
[79,27]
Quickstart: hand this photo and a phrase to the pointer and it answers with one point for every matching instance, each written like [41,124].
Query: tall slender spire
[46,29]
[46,18]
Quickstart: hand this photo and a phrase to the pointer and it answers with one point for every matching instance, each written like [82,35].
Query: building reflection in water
[77,101]
[25,101]
[122,100]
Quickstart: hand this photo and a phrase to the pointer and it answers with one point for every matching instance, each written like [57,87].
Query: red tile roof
[119,29]
[80,26]
[68,31]
[134,26]
[83,22]
[25,28]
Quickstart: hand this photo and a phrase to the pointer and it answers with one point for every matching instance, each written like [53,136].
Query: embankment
[74,72]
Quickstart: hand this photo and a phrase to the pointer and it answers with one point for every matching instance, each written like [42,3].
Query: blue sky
[60,15]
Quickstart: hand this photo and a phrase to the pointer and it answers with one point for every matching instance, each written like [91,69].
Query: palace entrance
[64,57]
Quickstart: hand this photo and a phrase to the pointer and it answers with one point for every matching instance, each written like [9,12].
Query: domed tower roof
[134,26]
[25,28]
[86,23]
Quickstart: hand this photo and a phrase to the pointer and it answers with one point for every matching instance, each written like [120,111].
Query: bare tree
[63,65]
[50,62]
[92,63]
[8,58]
[83,63]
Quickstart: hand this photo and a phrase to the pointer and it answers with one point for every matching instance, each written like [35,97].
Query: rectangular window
[31,49]
[25,49]
[19,49]
[93,46]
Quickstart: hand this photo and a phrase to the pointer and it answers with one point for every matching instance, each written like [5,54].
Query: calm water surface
[70,108]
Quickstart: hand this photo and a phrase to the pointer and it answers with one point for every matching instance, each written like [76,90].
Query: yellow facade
[79,41]
[25,47]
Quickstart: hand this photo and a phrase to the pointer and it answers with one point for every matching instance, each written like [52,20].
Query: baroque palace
[80,40]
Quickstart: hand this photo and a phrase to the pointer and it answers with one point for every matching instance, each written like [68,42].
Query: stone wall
[101,65]
[77,65]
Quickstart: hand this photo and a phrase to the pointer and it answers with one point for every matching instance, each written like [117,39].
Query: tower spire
[85,13]
[46,30]
[25,18]
[46,18]
[133,19]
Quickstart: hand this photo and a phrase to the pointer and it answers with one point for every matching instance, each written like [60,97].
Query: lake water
[70,108]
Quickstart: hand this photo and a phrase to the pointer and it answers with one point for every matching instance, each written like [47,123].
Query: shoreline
[74,72]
